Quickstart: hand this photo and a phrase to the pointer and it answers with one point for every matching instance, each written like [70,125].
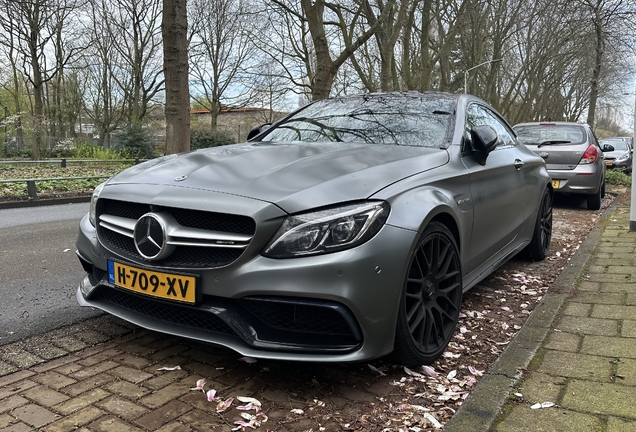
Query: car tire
[594,201]
[603,190]
[539,246]
[431,298]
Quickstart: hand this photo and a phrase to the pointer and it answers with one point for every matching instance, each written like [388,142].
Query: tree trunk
[596,72]
[175,54]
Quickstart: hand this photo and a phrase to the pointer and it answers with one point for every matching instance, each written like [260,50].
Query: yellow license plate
[169,286]
[608,163]
[556,183]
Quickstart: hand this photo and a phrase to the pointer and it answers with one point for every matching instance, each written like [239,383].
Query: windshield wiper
[554,142]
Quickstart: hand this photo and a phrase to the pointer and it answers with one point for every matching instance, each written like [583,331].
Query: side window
[477,115]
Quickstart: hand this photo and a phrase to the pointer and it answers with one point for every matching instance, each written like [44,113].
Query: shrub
[204,138]
[135,142]
[91,151]
[618,178]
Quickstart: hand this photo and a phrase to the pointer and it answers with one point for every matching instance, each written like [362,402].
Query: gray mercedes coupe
[346,231]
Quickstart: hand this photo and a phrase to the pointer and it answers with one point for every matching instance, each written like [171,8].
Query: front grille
[170,313]
[182,256]
[312,317]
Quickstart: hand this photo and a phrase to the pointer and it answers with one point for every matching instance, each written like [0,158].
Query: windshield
[398,119]
[618,144]
[537,134]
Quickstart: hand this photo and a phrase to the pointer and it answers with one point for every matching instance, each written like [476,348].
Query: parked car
[618,154]
[346,231]
[573,156]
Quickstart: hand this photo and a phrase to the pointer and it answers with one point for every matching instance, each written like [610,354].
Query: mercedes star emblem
[150,237]
[181,178]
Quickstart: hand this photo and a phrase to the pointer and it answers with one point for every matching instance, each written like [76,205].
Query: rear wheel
[594,201]
[538,247]
[431,298]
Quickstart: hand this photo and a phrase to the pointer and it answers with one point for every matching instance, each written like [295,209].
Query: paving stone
[15,377]
[165,395]
[126,389]
[47,351]
[577,309]
[16,388]
[609,346]
[12,402]
[69,343]
[18,427]
[614,312]
[174,427]
[205,370]
[45,396]
[582,325]
[628,329]
[88,384]
[34,415]
[157,383]
[81,401]
[24,360]
[163,415]
[54,380]
[563,341]
[523,419]
[614,298]
[201,421]
[122,408]
[620,425]
[129,374]
[627,371]
[92,337]
[133,361]
[565,364]
[613,278]
[111,423]
[99,357]
[538,386]
[617,287]
[589,286]
[6,420]
[53,364]
[94,370]
[75,420]
[600,398]
[631,298]
[167,352]
[6,369]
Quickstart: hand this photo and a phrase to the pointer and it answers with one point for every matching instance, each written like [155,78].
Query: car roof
[550,123]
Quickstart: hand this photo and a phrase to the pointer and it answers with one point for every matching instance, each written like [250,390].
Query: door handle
[518,163]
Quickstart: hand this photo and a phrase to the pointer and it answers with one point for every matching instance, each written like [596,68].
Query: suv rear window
[536,134]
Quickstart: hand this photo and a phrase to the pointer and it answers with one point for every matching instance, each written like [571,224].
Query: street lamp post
[475,67]
[632,208]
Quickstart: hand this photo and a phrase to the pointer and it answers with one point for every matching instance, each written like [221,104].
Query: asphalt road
[39,271]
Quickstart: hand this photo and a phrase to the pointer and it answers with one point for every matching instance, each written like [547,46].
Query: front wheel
[594,201]
[431,298]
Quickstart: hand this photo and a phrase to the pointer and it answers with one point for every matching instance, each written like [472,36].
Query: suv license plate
[556,183]
[168,286]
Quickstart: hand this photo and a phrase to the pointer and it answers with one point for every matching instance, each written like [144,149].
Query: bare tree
[219,49]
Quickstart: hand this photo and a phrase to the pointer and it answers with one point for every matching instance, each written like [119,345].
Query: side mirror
[484,140]
[607,148]
[257,130]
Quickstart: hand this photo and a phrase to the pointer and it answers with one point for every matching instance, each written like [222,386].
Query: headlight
[328,230]
[96,193]
[622,158]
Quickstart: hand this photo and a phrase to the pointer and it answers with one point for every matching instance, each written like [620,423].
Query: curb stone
[480,410]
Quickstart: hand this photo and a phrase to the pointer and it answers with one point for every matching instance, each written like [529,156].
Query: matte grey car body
[573,156]
[346,231]
[618,153]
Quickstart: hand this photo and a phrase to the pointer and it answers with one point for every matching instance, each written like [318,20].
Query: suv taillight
[590,155]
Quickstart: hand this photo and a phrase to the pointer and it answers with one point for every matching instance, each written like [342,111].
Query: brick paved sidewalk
[587,364]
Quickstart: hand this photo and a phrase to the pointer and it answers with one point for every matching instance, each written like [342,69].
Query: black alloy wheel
[539,246]
[431,298]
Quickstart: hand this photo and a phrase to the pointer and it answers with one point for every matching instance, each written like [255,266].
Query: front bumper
[338,307]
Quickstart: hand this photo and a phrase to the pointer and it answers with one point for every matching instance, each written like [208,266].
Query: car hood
[616,154]
[294,176]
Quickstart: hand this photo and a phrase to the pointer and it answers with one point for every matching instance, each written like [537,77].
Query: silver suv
[573,157]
